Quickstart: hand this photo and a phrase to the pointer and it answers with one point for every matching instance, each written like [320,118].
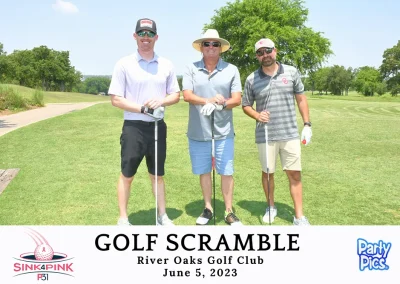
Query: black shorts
[137,141]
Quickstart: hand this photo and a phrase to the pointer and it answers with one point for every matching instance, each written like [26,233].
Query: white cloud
[65,7]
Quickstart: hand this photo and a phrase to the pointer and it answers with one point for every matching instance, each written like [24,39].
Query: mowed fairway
[69,167]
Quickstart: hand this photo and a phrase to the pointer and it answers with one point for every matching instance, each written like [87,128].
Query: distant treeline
[51,70]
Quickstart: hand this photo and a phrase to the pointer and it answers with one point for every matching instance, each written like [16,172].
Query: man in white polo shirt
[142,85]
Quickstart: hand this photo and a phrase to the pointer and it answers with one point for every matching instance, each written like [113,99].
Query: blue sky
[97,33]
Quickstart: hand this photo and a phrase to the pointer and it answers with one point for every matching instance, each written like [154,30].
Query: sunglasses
[213,43]
[267,50]
[144,33]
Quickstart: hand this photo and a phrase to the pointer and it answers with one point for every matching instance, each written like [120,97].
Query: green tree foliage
[40,67]
[321,82]
[95,85]
[180,78]
[4,64]
[244,22]
[339,80]
[336,80]
[2,52]
[390,68]
[367,81]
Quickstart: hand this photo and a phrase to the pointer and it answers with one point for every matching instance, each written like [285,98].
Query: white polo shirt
[138,80]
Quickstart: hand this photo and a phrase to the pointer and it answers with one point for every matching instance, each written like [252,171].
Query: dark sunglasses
[267,50]
[213,43]
[144,33]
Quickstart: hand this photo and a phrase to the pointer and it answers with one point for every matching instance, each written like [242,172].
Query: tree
[244,22]
[321,79]
[96,84]
[2,52]
[337,78]
[4,64]
[367,81]
[180,78]
[350,75]
[24,71]
[41,67]
[390,68]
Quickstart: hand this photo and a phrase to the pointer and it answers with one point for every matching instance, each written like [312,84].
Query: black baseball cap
[146,24]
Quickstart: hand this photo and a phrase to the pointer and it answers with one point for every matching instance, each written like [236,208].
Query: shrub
[10,99]
[37,99]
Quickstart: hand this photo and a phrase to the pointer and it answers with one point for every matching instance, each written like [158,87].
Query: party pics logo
[43,261]
[373,256]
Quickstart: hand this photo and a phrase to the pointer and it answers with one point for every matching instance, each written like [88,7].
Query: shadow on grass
[148,217]
[195,208]
[257,209]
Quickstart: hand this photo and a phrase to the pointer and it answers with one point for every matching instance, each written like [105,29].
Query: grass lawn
[57,97]
[70,165]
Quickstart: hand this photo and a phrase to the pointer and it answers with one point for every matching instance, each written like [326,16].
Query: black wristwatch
[307,123]
[224,105]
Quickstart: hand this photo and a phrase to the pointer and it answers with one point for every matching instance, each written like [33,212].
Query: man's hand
[208,108]
[263,116]
[306,135]
[154,103]
[157,113]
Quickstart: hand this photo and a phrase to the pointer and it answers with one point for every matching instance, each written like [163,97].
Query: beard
[268,61]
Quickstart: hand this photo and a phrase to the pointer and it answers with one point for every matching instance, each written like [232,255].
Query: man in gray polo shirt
[212,87]
[275,87]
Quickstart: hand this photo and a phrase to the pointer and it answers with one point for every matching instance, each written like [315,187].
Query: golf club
[266,153]
[266,147]
[213,158]
[156,165]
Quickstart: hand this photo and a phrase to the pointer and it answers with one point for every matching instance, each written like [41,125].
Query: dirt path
[11,122]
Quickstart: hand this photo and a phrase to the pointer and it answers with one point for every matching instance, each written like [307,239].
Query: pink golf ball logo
[44,261]
[44,252]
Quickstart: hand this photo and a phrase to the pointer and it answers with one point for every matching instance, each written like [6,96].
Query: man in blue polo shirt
[212,87]
[139,86]
[275,87]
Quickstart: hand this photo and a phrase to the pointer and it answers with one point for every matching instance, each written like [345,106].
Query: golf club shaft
[156,165]
[213,158]
[266,154]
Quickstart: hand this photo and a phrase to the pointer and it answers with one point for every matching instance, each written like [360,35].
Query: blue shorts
[200,156]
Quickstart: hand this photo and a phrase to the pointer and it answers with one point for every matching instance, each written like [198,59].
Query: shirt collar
[139,57]
[202,65]
[280,71]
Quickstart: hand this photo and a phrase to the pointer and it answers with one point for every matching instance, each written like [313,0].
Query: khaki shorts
[289,152]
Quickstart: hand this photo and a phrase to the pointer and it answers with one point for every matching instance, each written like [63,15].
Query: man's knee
[294,176]
[126,180]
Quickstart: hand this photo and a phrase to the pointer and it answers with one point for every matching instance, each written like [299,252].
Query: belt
[142,122]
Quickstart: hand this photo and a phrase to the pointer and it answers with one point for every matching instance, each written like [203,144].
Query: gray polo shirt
[224,80]
[275,94]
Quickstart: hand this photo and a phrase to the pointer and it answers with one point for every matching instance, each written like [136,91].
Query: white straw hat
[212,35]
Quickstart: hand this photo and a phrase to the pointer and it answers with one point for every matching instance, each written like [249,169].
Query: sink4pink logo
[43,261]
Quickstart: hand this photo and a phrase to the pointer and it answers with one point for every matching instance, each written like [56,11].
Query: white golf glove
[306,135]
[157,113]
[208,108]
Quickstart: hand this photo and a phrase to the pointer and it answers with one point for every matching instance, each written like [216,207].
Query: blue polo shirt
[224,80]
